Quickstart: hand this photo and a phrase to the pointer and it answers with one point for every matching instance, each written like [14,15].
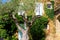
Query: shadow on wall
[58,18]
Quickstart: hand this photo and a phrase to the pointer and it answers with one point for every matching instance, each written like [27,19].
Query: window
[47,27]
[49,5]
[39,9]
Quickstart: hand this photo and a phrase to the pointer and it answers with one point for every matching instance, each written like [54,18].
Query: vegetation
[37,29]
[19,18]
[50,12]
[7,29]
[8,25]
[6,21]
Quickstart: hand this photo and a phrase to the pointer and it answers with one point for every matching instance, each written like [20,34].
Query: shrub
[37,28]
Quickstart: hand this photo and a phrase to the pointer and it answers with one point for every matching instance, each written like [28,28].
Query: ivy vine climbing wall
[49,12]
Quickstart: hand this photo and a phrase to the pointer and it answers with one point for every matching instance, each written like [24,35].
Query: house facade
[54,25]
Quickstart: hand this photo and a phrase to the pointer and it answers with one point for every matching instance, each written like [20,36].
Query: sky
[4,1]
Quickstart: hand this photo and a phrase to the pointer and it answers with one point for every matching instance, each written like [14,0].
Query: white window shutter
[39,9]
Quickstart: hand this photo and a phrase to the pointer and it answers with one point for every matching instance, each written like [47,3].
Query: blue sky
[4,1]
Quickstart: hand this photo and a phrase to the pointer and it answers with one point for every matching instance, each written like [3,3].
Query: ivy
[49,12]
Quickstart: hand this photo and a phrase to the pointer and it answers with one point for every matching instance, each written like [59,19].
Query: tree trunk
[24,35]
[24,32]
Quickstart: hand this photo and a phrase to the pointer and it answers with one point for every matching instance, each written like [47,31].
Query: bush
[3,33]
[37,28]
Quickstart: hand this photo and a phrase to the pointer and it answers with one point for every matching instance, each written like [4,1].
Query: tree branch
[25,20]
[19,27]
[17,24]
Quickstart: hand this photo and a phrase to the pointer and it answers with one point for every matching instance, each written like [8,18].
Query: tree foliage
[37,28]
[27,4]
[8,26]
[6,22]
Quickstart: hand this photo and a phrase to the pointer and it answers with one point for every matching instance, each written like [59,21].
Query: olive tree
[10,9]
